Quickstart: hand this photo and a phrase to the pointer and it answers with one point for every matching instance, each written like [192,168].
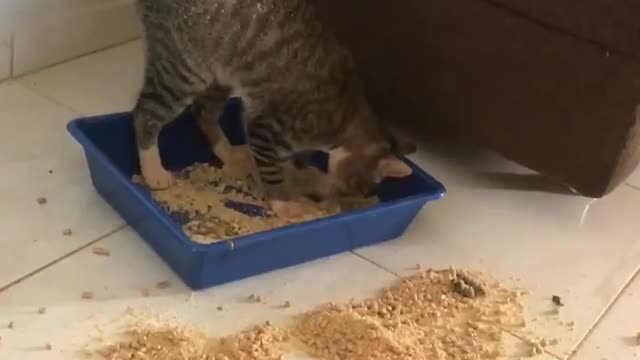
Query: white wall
[45,32]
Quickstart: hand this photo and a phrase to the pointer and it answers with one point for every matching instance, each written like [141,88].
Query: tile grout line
[525,340]
[46,97]
[87,54]
[632,186]
[62,258]
[375,264]
[603,314]
[47,67]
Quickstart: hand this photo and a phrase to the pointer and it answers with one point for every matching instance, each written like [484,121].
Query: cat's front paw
[157,178]
[289,210]
[238,160]
[154,174]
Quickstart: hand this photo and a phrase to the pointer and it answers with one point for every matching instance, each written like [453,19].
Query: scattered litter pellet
[252,298]
[557,300]
[41,200]
[42,310]
[48,347]
[50,171]
[163,285]
[67,232]
[544,342]
[638,339]
[220,308]
[536,350]
[466,286]
[100,251]
[10,325]
[87,295]
[286,304]
[145,292]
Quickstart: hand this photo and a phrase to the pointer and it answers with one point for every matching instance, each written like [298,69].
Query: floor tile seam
[58,260]
[74,58]
[603,314]
[376,264]
[632,186]
[41,94]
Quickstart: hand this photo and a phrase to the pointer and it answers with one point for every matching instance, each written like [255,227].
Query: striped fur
[299,87]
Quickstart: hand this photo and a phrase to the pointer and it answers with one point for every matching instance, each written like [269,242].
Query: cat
[299,88]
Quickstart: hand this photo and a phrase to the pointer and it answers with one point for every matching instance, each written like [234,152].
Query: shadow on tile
[520,182]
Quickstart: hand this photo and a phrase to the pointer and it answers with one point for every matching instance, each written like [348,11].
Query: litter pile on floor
[175,343]
[430,315]
[214,207]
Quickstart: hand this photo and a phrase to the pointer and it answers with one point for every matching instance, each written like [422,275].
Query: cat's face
[360,172]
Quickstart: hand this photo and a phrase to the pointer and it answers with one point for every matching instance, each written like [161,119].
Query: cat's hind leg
[209,107]
[169,86]
[270,152]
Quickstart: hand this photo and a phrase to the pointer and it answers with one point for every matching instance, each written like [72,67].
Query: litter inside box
[212,207]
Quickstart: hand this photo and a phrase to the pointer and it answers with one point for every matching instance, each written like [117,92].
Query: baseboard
[65,35]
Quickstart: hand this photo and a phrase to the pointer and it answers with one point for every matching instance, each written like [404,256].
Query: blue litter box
[110,149]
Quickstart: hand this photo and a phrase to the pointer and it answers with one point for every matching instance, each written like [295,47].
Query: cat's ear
[392,167]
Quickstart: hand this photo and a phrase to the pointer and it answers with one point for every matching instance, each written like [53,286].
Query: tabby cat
[299,88]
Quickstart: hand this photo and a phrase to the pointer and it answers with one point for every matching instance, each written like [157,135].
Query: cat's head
[359,169]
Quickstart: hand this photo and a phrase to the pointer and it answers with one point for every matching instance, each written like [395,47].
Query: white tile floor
[549,243]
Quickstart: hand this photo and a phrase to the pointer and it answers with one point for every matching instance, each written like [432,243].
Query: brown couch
[551,84]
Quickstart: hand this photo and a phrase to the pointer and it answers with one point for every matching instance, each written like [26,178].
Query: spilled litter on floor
[447,314]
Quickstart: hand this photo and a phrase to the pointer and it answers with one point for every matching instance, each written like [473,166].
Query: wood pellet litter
[10,325]
[209,200]
[144,342]
[67,232]
[42,310]
[145,292]
[162,285]
[41,200]
[100,251]
[557,300]
[87,295]
[638,339]
[423,316]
